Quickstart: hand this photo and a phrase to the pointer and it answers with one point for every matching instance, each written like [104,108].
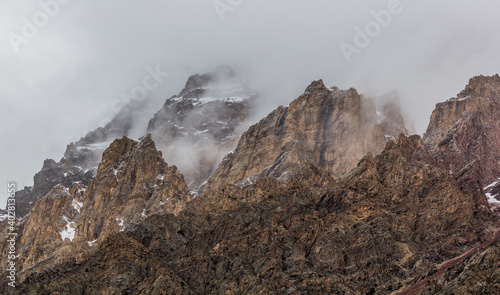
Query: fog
[64,77]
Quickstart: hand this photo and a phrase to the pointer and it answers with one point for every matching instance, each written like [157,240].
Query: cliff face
[330,128]
[132,182]
[466,129]
[464,133]
[194,130]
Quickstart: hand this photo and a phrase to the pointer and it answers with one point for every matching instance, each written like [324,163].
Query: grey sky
[66,78]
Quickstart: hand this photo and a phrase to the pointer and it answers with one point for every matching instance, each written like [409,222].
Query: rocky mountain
[77,166]
[328,127]
[464,134]
[196,128]
[325,196]
[207,116]
[132,183]
[385,225]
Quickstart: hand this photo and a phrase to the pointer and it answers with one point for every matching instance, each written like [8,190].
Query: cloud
[64,80]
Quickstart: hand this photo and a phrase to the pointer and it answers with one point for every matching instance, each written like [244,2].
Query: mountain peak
[330,128]
[316,86]
[480,86]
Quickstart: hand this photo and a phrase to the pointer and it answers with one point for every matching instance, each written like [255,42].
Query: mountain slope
[393,219]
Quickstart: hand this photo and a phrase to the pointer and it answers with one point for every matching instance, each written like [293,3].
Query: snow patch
[91,243]
[4,216]
[121,224]
[491,198]
[69,230]
[200,132]
[77,205]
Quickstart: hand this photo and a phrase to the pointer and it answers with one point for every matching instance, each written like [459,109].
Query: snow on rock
[494,203]
[77,205]
[121,223]
[4,216]
[69,230]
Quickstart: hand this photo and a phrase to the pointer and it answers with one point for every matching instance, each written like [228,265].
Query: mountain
[327,127]
[464,133]
[207,116]
[328,195]
[196,128]
[381,228]
[131,183]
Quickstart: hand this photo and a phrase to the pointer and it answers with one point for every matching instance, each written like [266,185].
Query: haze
[66,79]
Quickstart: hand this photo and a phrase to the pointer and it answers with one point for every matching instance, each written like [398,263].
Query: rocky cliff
[464,134]
[330,128]
[132,182]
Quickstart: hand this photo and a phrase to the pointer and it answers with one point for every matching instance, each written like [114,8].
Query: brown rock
[330,128]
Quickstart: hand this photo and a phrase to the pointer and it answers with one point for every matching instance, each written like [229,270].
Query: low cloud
[64,80]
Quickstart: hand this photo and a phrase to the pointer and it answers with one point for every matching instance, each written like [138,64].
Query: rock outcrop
[132,182]
[479,274]
[330,128]
[77,166]
[464,132]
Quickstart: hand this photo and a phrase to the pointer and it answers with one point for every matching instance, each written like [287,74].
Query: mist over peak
[67,77]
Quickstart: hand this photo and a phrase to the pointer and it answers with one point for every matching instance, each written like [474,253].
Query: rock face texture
[132,182]
[196,128]
[464,132]
[330,128]
[50,229]
[383,226]
[480,274]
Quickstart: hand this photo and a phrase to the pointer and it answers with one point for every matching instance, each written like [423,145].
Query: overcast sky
[60,74]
